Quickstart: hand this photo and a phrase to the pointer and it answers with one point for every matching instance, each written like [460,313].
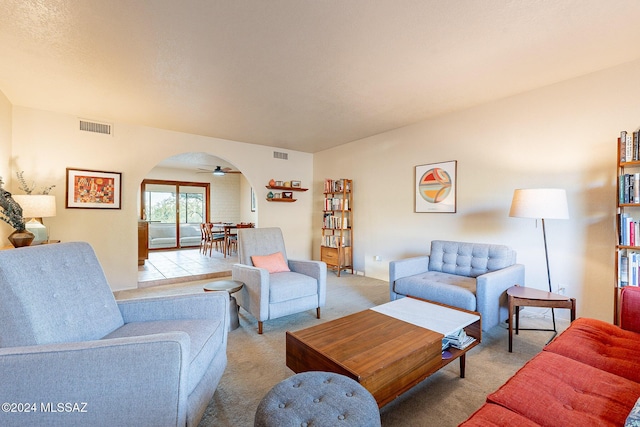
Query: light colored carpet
[257,362]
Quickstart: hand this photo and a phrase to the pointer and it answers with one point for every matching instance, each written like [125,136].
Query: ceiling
[195,162]
[298,74]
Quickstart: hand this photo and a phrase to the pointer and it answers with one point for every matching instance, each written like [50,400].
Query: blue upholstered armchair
[83,359]
[271,295]
[472,276]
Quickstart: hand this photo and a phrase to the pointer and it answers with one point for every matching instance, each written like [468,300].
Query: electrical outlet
[376,258]
[562,290]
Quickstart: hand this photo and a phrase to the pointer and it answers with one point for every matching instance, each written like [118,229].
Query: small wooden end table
[520,296]
[45,242]
[230,286]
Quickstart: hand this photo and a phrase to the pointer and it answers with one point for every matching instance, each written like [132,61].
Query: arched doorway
[177,195]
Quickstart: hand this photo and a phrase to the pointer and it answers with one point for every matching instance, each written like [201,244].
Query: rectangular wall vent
[103,128]
[279,155]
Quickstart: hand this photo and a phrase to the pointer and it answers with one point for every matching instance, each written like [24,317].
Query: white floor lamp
[541,203]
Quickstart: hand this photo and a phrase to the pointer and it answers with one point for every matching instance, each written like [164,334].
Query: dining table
[226,227]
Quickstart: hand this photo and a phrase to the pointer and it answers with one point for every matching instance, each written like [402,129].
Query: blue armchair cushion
[33,313]
[468,259]
[437,286]
[205,341]
[290,285]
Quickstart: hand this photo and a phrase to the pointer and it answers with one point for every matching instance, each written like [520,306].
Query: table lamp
[541,203]
[36,207]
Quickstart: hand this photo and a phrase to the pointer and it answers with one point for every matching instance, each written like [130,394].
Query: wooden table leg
[463,364]
[573,309]
[510,324]
[225,246]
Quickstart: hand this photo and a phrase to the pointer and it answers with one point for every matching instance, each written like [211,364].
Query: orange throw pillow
[274,263]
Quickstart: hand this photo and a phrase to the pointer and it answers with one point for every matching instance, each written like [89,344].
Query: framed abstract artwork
[90,189]
[435,187]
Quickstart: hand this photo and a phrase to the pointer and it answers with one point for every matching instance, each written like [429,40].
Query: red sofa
[587,376]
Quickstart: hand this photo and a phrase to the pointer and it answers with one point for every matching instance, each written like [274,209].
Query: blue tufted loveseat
[472,276]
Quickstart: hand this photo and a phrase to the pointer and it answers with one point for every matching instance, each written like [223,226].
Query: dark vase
[20,238]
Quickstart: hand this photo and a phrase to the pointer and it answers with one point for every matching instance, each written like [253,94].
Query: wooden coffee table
[386,355]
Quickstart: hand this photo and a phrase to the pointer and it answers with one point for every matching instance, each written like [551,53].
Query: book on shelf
[333,186]
[335,222]
[623,270]
[629,187]
[629,146]
[628,268]
[629,229]
[335,241]
[336,204]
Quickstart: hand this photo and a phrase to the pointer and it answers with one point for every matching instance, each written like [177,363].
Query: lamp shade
[546,203]
[36,205]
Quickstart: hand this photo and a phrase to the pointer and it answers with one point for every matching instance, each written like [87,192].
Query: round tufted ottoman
[318,399]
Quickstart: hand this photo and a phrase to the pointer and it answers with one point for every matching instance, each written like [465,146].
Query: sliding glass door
[175,211]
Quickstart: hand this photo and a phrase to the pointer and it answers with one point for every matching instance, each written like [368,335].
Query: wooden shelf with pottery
[280,199]
[274,187]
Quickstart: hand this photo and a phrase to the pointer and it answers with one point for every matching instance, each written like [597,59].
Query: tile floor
[167,267]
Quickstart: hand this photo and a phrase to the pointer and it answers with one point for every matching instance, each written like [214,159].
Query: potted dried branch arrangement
[11,213]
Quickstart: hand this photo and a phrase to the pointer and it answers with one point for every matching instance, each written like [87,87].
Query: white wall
[5,158]
[246,214]
[560,136]
[46,143]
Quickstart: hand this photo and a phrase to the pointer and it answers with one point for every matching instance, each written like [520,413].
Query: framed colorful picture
[435,187]
[90,189]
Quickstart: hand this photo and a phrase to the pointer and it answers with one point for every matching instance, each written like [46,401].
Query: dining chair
[214,238]
[233,238]
[203,238]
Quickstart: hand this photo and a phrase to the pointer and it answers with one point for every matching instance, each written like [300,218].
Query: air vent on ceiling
[96,127]
[279,155]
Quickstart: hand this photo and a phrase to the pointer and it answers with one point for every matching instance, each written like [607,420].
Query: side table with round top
[231,286]
[520,296]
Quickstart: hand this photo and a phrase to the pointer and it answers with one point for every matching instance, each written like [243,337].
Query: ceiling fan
[218,171]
